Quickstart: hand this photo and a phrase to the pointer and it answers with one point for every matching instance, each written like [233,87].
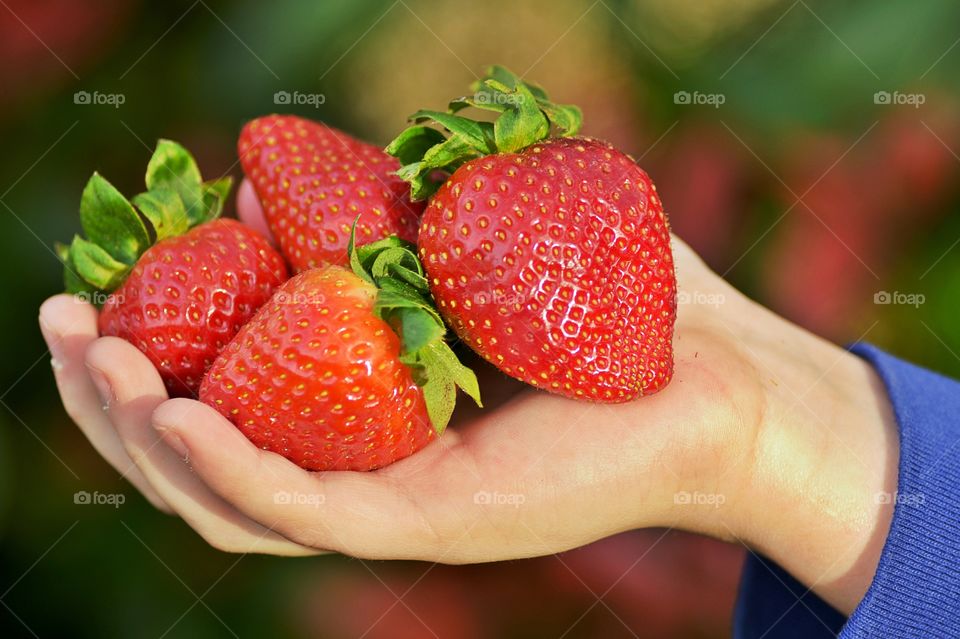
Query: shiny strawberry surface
[313,181]
[188,295]
[555,265]
[316,377]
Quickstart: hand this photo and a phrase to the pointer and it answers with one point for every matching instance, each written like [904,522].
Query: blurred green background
[760,121]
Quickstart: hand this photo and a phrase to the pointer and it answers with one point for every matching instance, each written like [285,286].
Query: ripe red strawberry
[550,257]
[178,295]
[313,181]
[342,370]
[188,296]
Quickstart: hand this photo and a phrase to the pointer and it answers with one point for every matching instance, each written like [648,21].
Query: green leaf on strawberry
[419,329]
[405,304]
[73,283]
[215,193]
[95,266]
[164,209]
[477,135]
[526,116]
[118,231]
[171,166]
[522,125]
[410,145]
[109,220]
[444,374]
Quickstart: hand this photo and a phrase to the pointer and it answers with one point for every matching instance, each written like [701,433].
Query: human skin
[767,435]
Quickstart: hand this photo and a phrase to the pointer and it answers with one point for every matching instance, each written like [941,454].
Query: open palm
[530,474]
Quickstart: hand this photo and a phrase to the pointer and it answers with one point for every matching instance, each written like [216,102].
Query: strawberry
[172,280]
[343,370]
[550,257]
[313,181]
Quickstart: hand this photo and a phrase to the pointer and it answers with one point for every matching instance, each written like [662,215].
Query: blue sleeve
[916,590]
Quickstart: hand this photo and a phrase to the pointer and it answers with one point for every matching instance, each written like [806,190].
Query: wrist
[825,456]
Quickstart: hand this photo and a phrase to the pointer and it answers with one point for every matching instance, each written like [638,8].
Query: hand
[728,449]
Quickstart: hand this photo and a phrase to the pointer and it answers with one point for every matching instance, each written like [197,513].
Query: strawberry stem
[404,302]
[119,231]
[525,116]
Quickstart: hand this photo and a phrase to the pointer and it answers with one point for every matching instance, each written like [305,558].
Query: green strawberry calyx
[404,302]
[118,231]
[525,116]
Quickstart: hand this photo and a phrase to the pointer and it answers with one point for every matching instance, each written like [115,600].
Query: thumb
[250,211]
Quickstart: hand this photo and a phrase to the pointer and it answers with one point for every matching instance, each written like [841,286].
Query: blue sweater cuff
[916,590]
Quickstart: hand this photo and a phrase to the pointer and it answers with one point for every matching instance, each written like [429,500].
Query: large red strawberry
[343,370]
[313,181]
[549,256]
[172,280]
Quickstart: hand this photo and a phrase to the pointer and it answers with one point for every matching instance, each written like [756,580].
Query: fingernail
[53,343]
[103,386]
[173,441]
